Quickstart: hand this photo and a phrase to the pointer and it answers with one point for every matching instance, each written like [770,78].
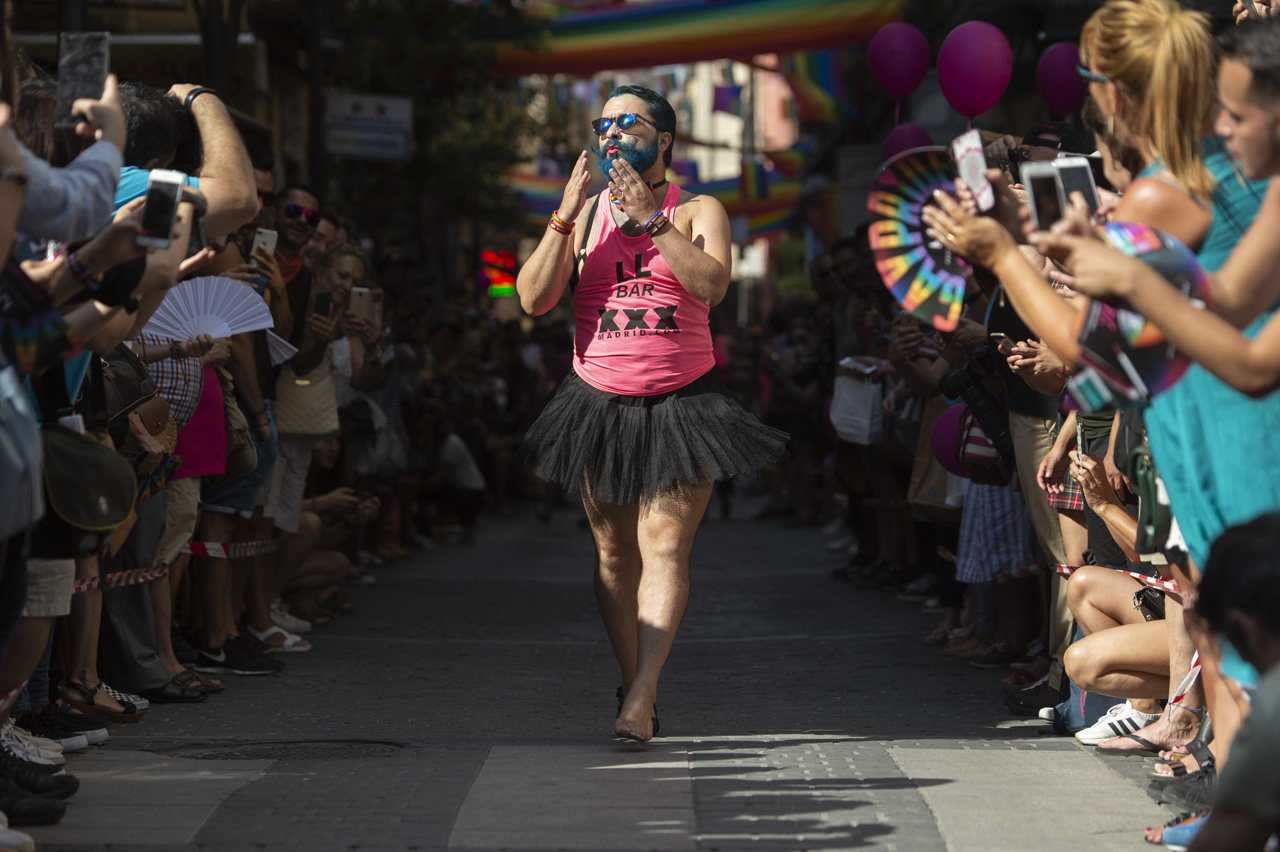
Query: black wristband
[195,93]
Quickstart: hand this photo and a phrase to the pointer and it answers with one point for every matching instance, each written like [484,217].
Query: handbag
[242,454]
[22,498]
[128,389]
[306,405]
[855,410]
[1149,602]
[985,464]
[934,491]
[89,488]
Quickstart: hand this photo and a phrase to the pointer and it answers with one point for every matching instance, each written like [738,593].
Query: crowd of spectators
[181,510]
[205,499]
[1116,562]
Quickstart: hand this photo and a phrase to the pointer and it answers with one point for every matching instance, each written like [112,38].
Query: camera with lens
[965,382]
[1012,165]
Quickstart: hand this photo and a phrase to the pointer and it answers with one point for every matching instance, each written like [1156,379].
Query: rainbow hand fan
[923,276]
[218,307]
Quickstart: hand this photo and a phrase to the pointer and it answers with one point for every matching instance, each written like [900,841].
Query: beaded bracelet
[559,225]
[86,278]
[656,223]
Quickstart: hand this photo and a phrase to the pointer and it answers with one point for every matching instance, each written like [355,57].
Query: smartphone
[1079,436]
[1044,194]
[998,336]
[324,303]
[263,238]
[366,303]
[160,209]
[83,60]
[1077,176]
[971,162]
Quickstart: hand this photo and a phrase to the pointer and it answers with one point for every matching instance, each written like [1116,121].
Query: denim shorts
[241,495]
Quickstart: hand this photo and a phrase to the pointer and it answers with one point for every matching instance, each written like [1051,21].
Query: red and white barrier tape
[1187,682]
[230,549]
[946,555]
[121,578]
[1154,582]
[7,701]
[1018,573]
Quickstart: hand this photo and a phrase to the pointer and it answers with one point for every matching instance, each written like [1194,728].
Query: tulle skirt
[626,449]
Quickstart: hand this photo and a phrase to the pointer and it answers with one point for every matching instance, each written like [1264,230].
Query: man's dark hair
[156,122]
[660,112]
[296,187]
[1243,572]
[1256,44]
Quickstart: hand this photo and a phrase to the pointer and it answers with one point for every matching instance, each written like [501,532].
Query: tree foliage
[467,129]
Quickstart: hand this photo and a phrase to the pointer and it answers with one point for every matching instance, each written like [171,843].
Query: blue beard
[641,159]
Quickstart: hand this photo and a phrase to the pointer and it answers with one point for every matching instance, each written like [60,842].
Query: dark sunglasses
[293,211]
[625,122]
[1086,74]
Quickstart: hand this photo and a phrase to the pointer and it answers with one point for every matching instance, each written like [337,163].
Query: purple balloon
[899,59]
[974,66]
[943,439]
[1057,80]
[904,137]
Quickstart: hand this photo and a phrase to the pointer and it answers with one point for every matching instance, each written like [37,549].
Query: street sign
[375,127]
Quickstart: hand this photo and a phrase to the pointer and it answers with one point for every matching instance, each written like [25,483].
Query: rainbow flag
[671,32]
[755,181]
[538,196]
[728,99]
[774,225]
[818,81]
[789,161]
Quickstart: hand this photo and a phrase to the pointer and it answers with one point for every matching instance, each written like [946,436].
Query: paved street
[469,705]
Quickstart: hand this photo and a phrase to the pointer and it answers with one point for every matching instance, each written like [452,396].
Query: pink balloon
[974,67]
[1057,80]
[904,137]
[943,439]
[898,58]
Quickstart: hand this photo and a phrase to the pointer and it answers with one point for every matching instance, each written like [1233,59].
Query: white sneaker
[288,621]
[18,747]
[10,839]
[836,526]
[1116,722]
[39,742]
[842,543]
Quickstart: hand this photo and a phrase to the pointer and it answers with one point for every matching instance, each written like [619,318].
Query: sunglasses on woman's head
[625,122]
[293,211]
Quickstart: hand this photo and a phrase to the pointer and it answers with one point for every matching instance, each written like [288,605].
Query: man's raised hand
[103,118]
[632,191]
[575,191]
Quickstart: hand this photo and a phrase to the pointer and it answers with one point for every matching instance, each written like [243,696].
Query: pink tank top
[639,332]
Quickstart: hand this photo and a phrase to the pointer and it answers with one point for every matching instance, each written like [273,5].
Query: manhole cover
[286,750]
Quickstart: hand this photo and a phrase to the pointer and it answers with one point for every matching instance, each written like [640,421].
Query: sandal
[191,677]
[1178,767]
[293,643]
[938,637]
[88,706]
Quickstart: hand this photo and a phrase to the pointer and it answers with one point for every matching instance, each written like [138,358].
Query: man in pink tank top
[642,426]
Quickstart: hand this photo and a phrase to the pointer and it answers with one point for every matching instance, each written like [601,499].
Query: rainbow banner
[727,98]
[789,161]
[755,181]
[669,32]
[818,81]
[774,225]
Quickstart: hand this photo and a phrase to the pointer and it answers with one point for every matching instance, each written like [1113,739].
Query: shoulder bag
[306,406]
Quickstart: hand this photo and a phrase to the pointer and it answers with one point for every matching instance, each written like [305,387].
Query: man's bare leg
[617,576]
[666,532]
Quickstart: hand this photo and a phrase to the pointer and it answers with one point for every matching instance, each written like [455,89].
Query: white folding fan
[280,349]
[218,307]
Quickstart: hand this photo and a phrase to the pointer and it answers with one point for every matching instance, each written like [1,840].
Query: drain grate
[286,750]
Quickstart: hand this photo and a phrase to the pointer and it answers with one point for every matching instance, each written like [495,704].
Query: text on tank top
[639,332]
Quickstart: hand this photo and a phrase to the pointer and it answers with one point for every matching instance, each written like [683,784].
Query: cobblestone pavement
[469,704]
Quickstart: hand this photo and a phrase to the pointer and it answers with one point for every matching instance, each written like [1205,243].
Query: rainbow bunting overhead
[668,32]
[817,79]
[755,181]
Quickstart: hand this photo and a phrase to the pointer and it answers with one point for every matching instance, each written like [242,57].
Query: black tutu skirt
[632,448]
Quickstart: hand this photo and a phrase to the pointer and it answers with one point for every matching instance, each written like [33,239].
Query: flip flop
[1148,747]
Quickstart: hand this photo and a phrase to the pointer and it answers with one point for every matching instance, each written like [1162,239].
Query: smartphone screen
[1077,176]
[164,188]
[971,162]
[324,303]
[83,59]
[1042,193]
